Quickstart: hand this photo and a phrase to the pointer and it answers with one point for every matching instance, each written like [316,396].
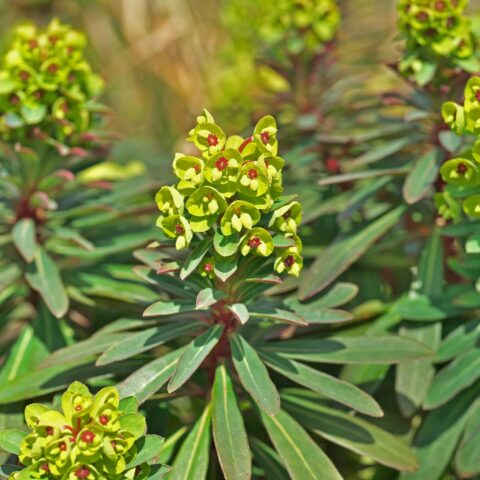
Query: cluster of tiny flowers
[462,174]
[297,25]
[232,193]
[434,28]
[46,84]
[92,439]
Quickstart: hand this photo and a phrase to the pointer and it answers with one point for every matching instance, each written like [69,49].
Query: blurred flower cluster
[232,192]
[93,439]
[46,84]
[436,30]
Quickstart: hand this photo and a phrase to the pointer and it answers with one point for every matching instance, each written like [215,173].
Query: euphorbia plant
[57,211]
[94,437]
[226,339]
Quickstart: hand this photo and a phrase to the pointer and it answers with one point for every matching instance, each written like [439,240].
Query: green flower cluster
[233,193]
[92,439]
[299,25]
[46,84]
[434,30]
[462,174]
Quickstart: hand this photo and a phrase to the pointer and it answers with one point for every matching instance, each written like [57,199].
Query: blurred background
[164,60]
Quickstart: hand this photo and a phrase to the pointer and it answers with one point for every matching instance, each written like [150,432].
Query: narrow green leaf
[269,460]
[302,456]
[240,312]
[24,238]
[338,295]
[193,356]
[439,434]
[455,377]
[413,378]
[421,176]
[280,316]
[254,375]
[10,440]
[349,431]
[208,297]
[461,339]
[47,282]
[146,381]
[191,462]
[335,259]
[324,384]
[170,445]
[164,308]
[148,450]
[146,340]
[228,429]
[467,458]
[195,258]
[384,349]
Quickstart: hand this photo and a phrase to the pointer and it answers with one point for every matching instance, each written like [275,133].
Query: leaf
[164,308]
[460,374]
[280,315]
[146,340]
[228,429]
[33,114]
[148,449]
[159,472]
[324,384]
[270,279]
[449,140]
[7,470]
[48,329]
[302,456]
[335,259]
[430,270]
[324,316]
[47,282]
[226,246]
[350,431]
[375,154]
[467,458]
[225,267]
[191,462]
[413,378]
[385,349]
[24,238]
[240,312]
[459,340]
[10,440]
[338,295]
[193,356]
[27,350]
[208,297]
[280,241]
[133,423]
[147,380]
[254,375]
[195,258]
[421,176]
[418,308]
[170,445]
[269,460]
[438,436]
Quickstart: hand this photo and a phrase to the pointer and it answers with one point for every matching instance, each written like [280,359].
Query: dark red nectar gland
[63,446]
[49,431]
[78,408]
[462,168]
[179,230]
[53,68]
[83,472]
[14,99]
[33,44]
[252,174]
[24,76]
[197,168]
[440,6]
[208,267]
[45,467]
[88,436]
[221,163]
[265,136]
[53,39]
[289,261]
[212,140]
[477,95]
[103,419]
[254,242]
[422,17]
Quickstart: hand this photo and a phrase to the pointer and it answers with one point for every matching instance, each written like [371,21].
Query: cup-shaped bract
[92,438]
[230,200]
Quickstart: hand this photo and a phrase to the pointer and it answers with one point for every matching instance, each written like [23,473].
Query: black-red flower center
[265,136]
[212,140]
[254,242]
[88,436]
[252,174]
[289,261]
[179,230]
[83,472]
[221,163]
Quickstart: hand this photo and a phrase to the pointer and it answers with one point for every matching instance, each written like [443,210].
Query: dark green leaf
[24,238]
